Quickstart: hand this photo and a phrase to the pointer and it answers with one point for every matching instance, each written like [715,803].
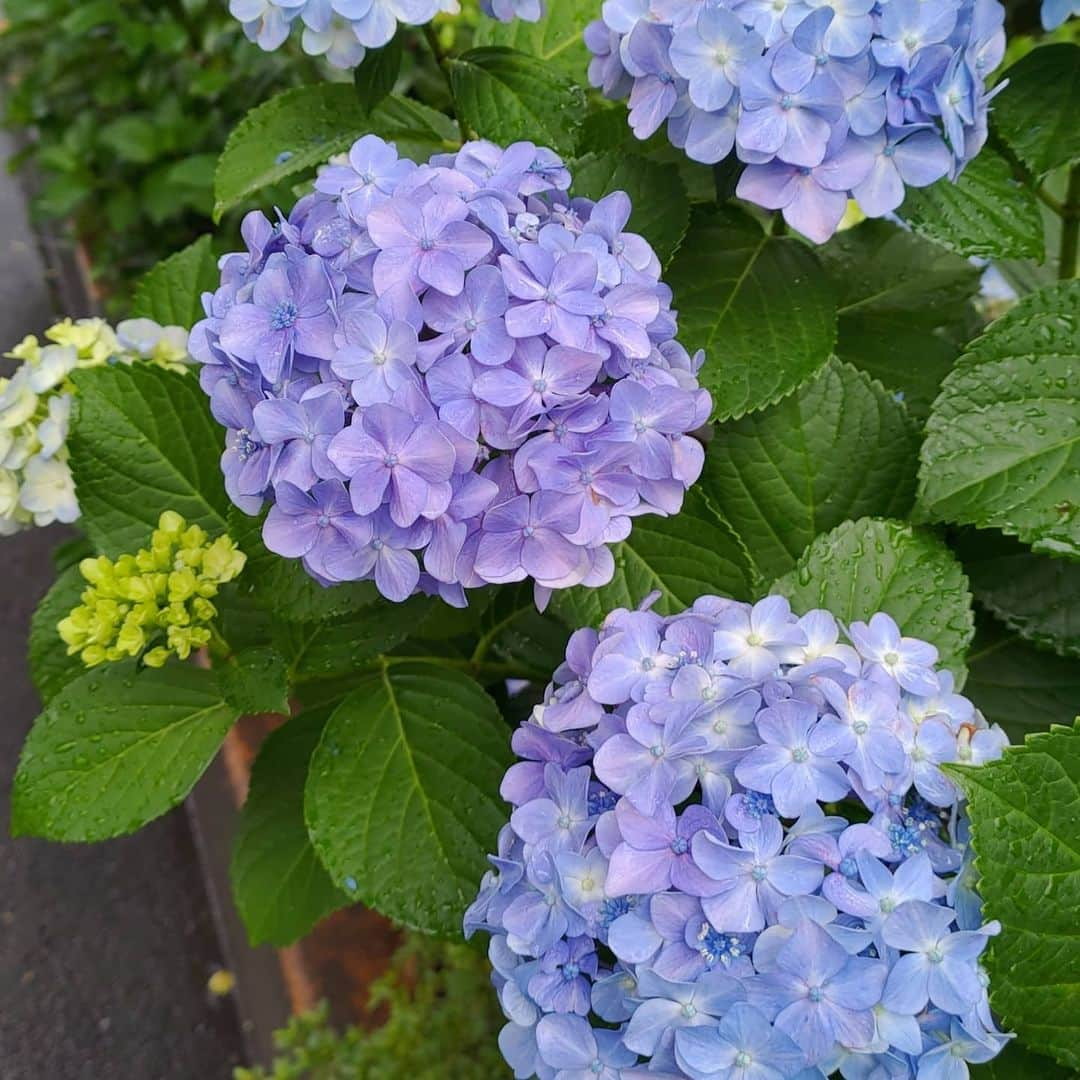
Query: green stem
[1070,227]
[218,646]
[1045,197]
[470,667]
[490,670]
[433,43]
[1024,175]
[437,51]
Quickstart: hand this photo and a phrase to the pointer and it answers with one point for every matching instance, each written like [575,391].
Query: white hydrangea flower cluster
[36,486]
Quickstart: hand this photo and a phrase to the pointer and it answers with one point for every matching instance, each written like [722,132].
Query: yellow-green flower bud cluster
[155,603]
[36,487]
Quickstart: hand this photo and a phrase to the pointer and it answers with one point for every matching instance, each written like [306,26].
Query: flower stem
[218,646]
[1070,227]
[437,51]
[433,43]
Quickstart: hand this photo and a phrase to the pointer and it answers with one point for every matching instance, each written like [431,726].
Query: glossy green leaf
[50,666]
[402,797]
[661,208]
[513,631]
[985,212]
[840,447]
[505,95]
[143,441]
[1018,1062]
[1034,595]
[1025,829]
[1017,686]
[866,566]
[1002,443]
[1037,112]
[302,128]
[904,305]
[691,554]
[171,293]
[339,646]
[116,748]
[255,680]
[280,887]
[760,306]
[556,37]
[376,74]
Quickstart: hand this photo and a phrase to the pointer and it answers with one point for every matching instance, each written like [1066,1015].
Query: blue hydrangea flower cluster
[733,854]
[343,30]
[1055,12]
[821,102]
[340,30]
[455,362]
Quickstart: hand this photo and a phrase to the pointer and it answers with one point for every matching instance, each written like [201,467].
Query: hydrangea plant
[742,842]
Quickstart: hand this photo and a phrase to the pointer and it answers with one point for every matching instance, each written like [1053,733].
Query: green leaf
[85,17]
[402,797]
[304,127]
[280,887]
[505,95]
[255,680]
[513,631]
[132,139]
[1036,596]
[760,306]
[840,447]
[904,307]
[378,72]
[985,212]
[115,749]
[143,441]
[283,587]
[1040,126]
[1017,1062]
[328,648]
[866,566]
[171,293]
[1025,829]
[661,208]
[1017,686]
[556,37]
[1002,443]
[690,554]
[50,666]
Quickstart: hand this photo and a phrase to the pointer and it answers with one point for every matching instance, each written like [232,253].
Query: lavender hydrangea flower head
[820,102]
[449,375]
[732,854]
[343,30]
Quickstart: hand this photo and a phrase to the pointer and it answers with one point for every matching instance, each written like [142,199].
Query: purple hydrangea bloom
[288,313]
[677,895]
[488,367]
[821,103]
